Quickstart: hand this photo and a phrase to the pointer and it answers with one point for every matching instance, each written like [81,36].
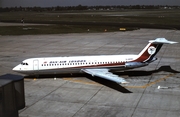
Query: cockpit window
[24,63]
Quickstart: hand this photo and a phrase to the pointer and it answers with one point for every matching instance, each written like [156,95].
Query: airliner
[101,66]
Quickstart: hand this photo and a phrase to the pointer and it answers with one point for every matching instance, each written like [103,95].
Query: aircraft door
[36,65]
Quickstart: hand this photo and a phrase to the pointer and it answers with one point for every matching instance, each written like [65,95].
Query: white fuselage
[100,66]
[56,65]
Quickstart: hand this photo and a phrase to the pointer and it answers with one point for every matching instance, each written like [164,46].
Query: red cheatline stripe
[96,66]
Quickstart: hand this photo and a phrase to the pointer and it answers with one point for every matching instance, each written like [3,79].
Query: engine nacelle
[135,64]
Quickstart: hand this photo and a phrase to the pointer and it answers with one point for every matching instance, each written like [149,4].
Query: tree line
[80,7]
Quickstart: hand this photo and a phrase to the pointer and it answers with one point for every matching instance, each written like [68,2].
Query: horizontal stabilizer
[162,40]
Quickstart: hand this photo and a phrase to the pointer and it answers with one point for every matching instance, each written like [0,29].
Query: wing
[105,74]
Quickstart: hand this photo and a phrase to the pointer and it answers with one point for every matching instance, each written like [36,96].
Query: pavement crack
[87,101]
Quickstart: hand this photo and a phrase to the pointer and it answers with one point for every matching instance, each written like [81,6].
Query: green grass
[81,21]
[53,29]
[138,16]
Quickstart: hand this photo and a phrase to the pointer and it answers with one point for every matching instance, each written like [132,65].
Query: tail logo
[151,50]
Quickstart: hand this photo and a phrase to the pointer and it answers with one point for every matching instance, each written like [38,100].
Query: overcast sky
[49,3]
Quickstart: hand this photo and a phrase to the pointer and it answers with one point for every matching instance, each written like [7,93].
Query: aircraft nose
[17,68]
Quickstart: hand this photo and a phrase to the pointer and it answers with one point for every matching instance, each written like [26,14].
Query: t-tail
[147,55]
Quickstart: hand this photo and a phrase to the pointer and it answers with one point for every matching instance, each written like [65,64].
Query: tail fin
[148,53]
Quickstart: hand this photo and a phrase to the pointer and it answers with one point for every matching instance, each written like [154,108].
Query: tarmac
[155,88]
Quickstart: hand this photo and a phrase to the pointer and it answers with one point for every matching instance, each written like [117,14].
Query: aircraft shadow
[146,73]
[108,83]
[118,87]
